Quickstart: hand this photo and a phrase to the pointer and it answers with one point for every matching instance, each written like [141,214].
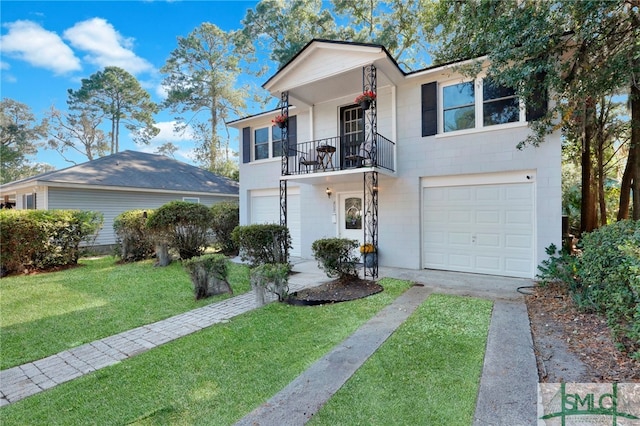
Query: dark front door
[351,136]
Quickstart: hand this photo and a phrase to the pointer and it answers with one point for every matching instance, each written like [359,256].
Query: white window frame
[479,104]
[191,199]
[270,156]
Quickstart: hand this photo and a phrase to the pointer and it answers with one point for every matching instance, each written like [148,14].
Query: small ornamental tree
[132,236]
[336,256]
[182,226]
[226,216]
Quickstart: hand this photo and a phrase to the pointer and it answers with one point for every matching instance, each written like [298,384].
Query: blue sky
[47,47]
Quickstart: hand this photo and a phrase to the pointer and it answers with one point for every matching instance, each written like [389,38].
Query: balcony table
[325,156]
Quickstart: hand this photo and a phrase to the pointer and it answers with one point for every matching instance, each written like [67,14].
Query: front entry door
[351,216]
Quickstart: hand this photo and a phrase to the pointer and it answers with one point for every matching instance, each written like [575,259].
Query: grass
[44,314]
[212,377]
[428,371]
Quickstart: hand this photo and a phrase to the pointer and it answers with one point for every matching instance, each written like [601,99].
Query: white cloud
[31,43]
[105,46]
[168,133]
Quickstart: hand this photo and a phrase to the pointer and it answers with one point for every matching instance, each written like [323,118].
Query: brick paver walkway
[28,379]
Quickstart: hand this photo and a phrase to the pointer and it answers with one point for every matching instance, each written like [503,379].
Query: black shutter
[246,144]
[293,135]
[537,108]
[429,109]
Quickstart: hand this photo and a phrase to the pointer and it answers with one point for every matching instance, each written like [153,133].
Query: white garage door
[486,229]
[266,209]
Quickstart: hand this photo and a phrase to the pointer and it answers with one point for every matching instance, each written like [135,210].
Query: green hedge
[226,216]
[605,278]
[43,239]
[263,243]
[182,225]
[132,237]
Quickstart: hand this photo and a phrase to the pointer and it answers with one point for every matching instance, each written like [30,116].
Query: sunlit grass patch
[44,314]
[212,377]
[427,372]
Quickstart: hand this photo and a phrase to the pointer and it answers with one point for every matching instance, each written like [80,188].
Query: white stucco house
[429,173]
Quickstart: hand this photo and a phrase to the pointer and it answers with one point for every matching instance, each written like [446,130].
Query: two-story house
[428,171]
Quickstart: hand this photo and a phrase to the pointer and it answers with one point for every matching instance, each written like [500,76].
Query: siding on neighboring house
[112,203]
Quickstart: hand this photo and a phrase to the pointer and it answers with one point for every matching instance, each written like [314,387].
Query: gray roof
[132,169]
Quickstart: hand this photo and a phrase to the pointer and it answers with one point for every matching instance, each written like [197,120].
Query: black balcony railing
[341,153]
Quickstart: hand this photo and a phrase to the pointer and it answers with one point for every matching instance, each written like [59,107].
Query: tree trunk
[162,254]
[635,147]
[625,185]
[588,204]
[600,172]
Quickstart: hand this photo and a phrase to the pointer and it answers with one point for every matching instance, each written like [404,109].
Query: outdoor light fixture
[328,191]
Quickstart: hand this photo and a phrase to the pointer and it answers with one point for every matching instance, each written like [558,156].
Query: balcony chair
[308,159]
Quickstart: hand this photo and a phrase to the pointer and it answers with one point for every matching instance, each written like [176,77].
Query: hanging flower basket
[365,99]
[280,121]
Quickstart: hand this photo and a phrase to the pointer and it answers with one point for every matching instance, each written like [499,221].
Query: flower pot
[370,259]
[282,124]
[365,104]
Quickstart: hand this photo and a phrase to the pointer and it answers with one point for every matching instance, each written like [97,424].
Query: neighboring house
[430,173]
[116,183]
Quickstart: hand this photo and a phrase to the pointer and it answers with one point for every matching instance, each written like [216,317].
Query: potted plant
[280,121]
[365,99]
[369,255]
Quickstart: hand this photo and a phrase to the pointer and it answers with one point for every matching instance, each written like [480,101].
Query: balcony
[341,153]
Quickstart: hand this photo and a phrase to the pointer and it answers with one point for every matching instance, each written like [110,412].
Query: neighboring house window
[458,107]
[261,143]
[191,200]
[29,201]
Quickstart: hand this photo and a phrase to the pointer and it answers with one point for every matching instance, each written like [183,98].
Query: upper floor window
[276,141]
[458,107]
[261,143]
[478,103]
[191,199]
[500,104]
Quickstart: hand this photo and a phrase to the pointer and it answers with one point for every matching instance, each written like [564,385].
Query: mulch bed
[553,314]
[339,290]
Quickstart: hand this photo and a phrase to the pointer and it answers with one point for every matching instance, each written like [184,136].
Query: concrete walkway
[508,386]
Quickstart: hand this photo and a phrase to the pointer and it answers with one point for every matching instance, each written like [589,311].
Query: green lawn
[426,373]
[211,377]
[44,314]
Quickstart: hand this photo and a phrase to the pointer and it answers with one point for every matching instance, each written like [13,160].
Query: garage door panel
[460,238]
[488,241]
[488,194]
[479,228]
[488,217]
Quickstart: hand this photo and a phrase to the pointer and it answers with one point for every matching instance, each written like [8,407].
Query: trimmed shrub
[605,278]
[226,216]
[265,243]
[208,274]
[132,236]
[183,226]
[336,256]
[44,239]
